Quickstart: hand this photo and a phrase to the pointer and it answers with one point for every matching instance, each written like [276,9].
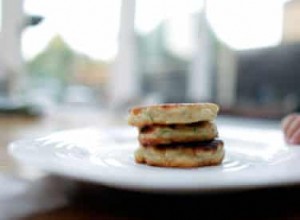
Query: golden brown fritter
[186,155]
[184,113]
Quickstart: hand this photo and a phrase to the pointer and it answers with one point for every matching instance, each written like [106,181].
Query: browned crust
[212,145]
[150,128]
[167,106]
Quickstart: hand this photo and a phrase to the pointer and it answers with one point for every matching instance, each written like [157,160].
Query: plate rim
[14,147]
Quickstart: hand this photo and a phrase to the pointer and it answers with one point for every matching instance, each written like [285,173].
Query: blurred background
[110,55]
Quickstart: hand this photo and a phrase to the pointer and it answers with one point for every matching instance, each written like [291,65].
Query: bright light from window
[89,27]
[180,22]
[182,36]
[246,24]
[149,14]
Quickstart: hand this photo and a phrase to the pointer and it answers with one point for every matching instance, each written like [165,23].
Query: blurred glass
[115,54]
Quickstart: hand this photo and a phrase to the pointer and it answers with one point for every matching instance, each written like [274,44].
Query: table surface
[98,202]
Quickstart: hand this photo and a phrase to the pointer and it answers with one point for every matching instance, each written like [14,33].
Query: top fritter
[172,114]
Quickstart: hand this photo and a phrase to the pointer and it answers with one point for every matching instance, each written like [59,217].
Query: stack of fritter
[177,135]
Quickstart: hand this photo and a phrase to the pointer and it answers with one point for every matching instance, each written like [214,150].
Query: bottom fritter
[182,155]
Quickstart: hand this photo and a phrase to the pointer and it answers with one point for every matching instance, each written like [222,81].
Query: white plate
[258,158]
